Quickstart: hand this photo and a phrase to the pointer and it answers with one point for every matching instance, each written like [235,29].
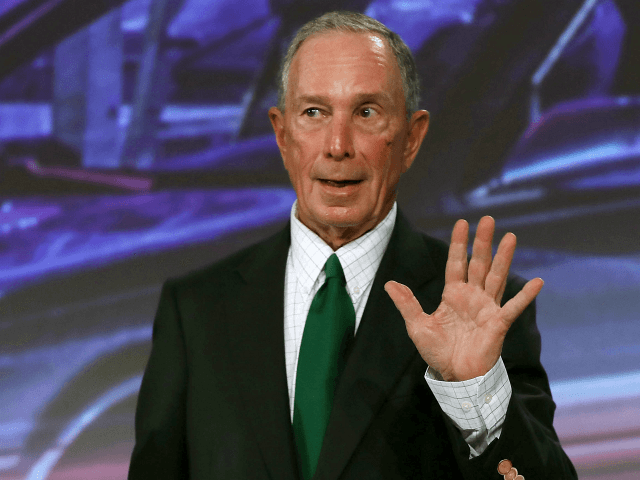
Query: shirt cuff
[477,406]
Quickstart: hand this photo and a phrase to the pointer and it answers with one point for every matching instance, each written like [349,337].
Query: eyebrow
[313,99]
[359,98]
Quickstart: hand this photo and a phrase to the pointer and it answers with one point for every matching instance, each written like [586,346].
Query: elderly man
[288,359]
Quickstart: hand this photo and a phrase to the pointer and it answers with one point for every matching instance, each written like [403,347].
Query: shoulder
[221,271]
[438,249]
[412,244]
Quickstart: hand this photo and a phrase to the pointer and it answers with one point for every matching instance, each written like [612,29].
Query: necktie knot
[333,269]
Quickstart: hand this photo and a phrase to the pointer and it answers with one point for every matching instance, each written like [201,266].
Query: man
[288,360]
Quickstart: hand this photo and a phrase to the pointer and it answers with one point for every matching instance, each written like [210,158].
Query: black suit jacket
[214,399]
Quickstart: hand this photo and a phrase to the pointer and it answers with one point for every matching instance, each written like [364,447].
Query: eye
[312,112]
[367,112]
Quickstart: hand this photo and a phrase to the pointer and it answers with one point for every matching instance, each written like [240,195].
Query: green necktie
[329,328]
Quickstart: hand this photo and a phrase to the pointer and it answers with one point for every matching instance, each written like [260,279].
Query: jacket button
[504,466]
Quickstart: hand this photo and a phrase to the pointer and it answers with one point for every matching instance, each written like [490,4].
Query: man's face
[344,138]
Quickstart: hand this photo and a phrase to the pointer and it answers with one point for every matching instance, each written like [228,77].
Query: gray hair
[342,21]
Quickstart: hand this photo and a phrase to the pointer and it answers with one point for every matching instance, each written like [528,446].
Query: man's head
[344,128]
[351,22]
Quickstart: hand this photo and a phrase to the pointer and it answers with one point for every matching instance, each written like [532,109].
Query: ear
[418,126]
[277,122]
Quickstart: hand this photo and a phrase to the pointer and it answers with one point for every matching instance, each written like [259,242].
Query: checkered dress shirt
[477,406]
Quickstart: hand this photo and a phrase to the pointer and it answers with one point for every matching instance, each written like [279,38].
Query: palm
[463,338]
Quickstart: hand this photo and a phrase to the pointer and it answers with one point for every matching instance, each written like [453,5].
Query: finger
[456,269]
[501,291]
[497,277]
[514,307]
[404,301]
[480,262]
[506,275]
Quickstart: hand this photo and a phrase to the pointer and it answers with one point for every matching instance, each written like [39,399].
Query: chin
[344,217]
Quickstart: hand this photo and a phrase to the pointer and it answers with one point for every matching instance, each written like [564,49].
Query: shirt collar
[359,258]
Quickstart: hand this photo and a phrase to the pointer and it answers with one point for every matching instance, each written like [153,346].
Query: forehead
[343,63]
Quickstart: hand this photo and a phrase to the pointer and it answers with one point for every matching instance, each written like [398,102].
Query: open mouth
[340,183]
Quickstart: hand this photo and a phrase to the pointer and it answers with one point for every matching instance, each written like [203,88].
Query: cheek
[292,158]
[382,152]
[299,167]
[389,166]
[301,147]
[375,147]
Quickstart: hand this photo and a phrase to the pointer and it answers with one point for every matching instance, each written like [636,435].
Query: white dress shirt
[477,406]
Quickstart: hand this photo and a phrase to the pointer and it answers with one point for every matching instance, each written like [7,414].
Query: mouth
[339,183]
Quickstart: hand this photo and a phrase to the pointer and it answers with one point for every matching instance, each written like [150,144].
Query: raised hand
[463,338]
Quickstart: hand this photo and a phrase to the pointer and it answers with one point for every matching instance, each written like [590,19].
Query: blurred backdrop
[135,146]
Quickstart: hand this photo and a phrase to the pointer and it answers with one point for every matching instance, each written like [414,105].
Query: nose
[340,138]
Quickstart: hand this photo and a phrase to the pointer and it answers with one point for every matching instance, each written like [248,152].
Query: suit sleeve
[160,448]
[528,438]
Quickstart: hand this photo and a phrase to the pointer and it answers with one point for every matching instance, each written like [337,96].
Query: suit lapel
[381,351]
[256,333]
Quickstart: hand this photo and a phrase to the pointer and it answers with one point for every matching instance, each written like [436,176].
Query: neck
[337,236]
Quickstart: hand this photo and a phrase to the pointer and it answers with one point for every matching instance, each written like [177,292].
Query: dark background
[135,146]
